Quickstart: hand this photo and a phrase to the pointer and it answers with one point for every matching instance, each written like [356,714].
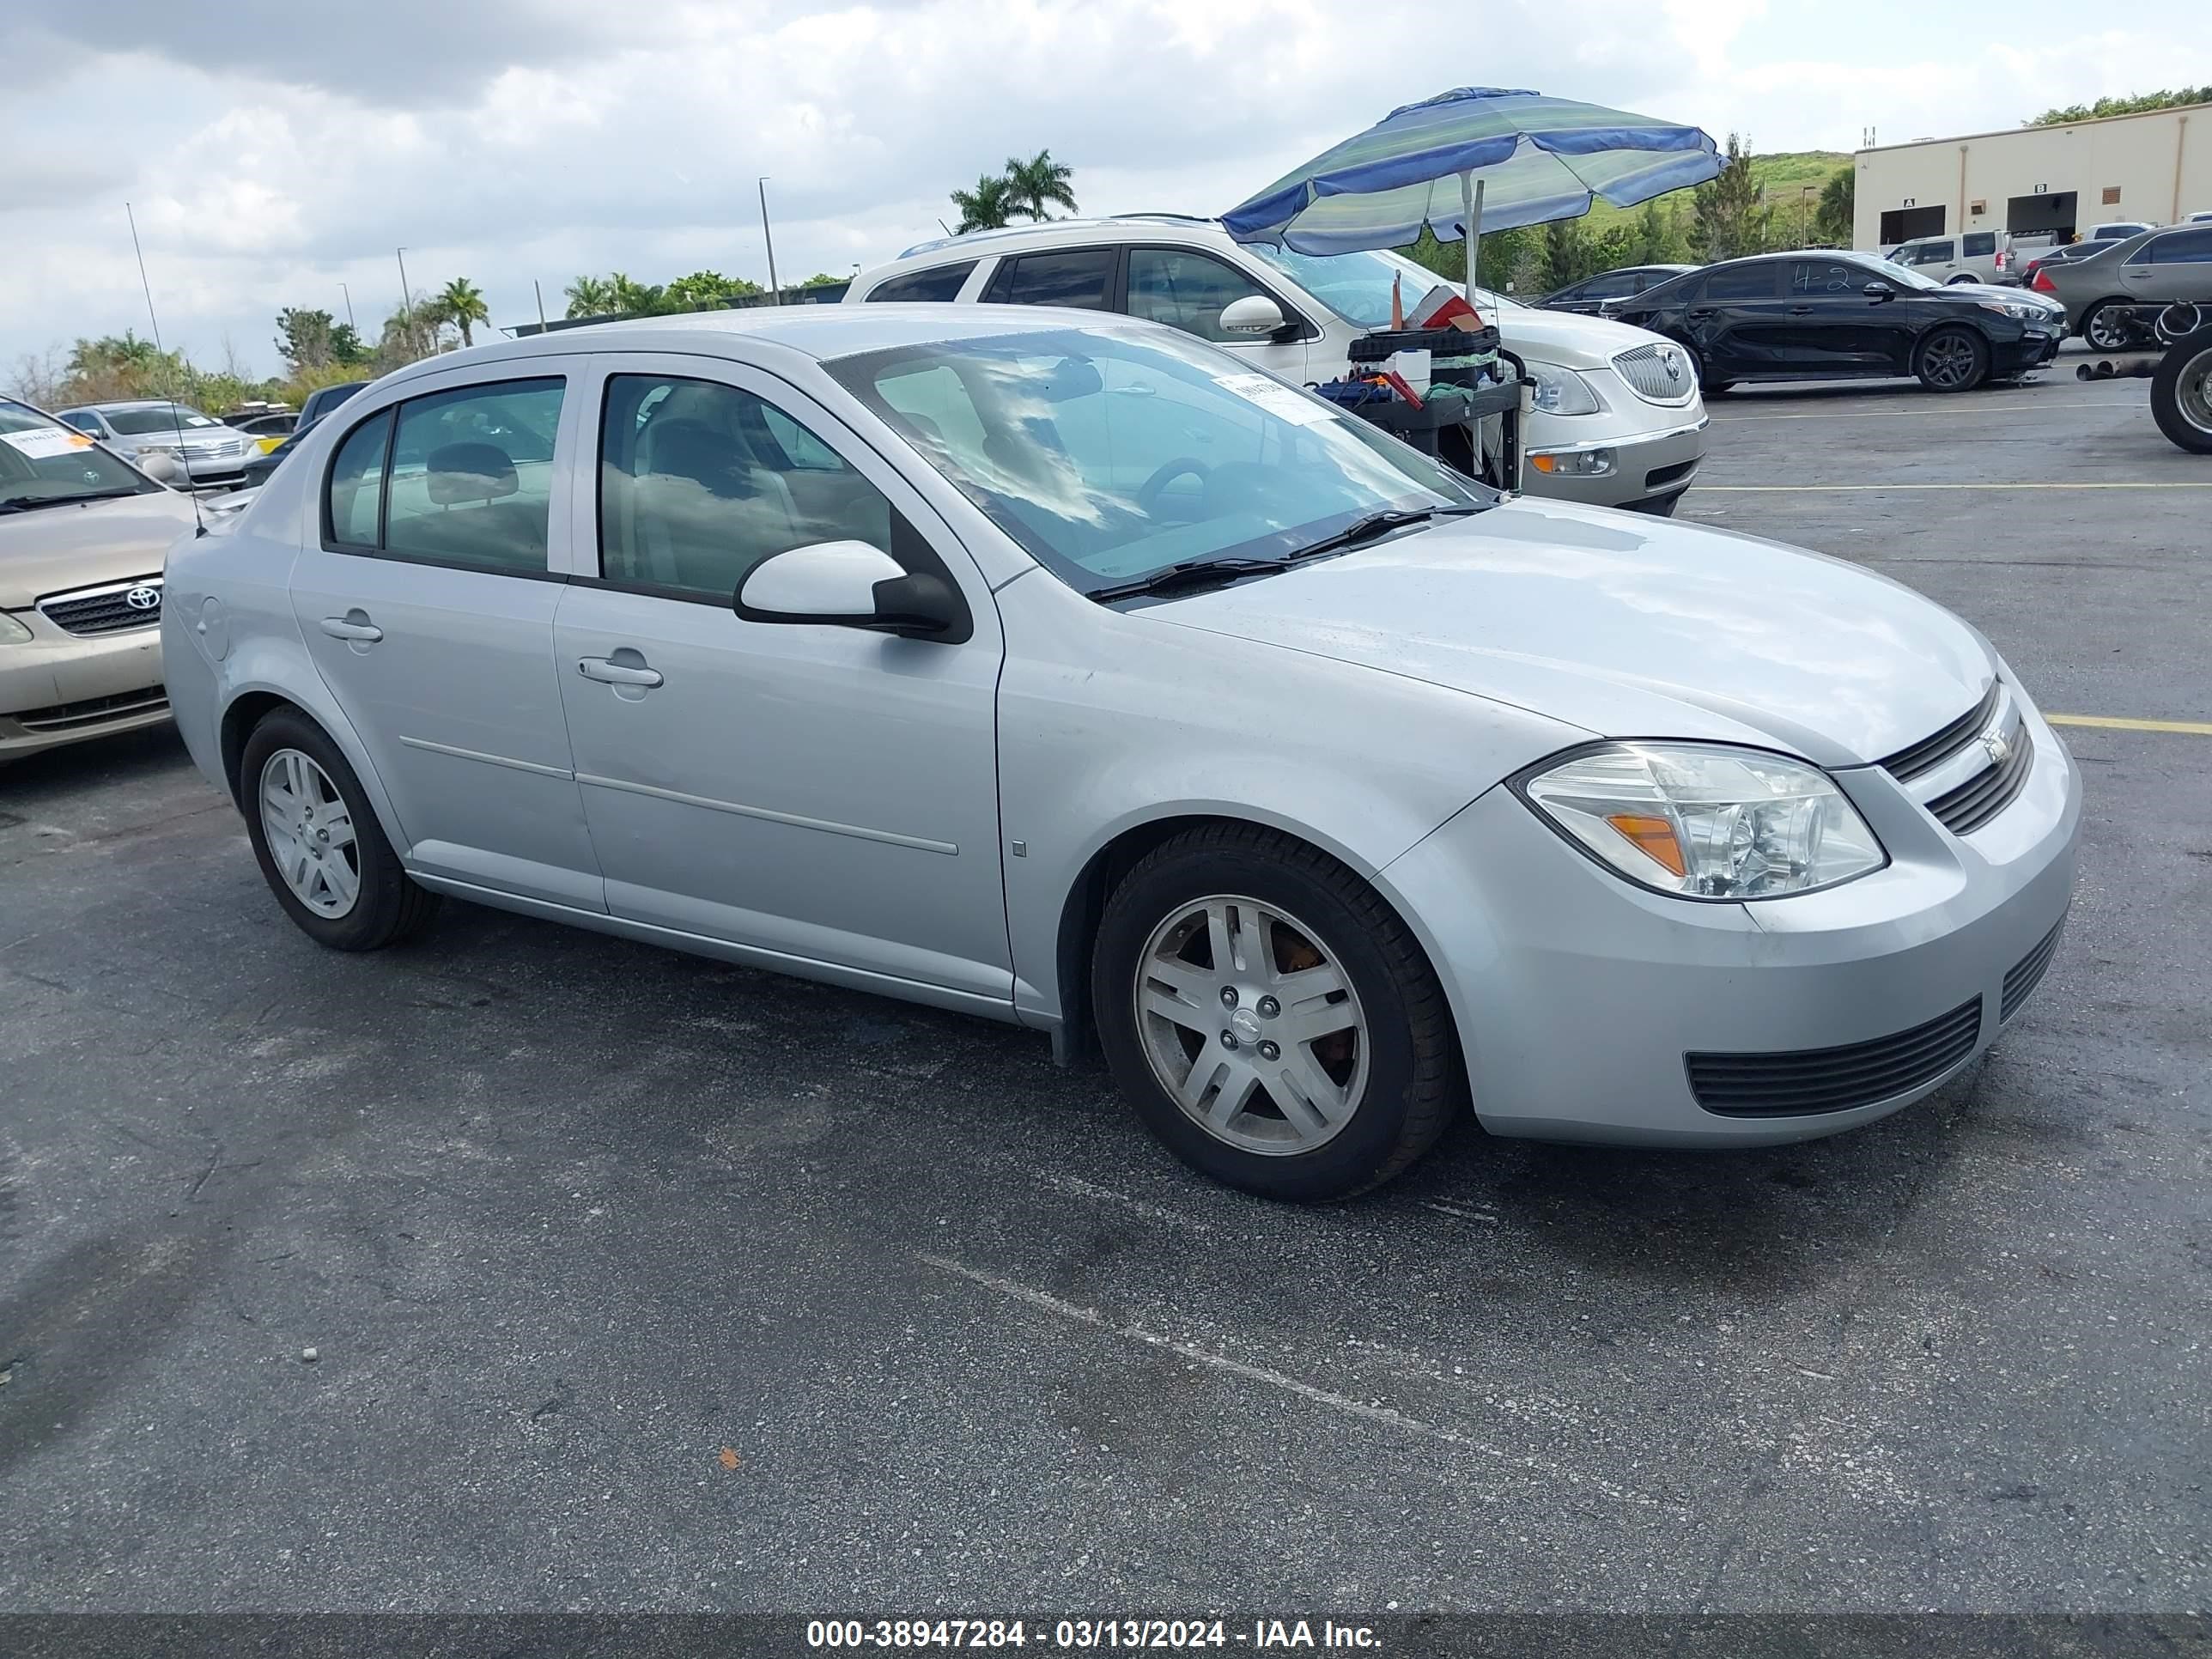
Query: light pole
[347,292]
[773,286]
[406,305]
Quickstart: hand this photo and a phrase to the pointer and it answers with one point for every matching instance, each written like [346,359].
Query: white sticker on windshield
[41,441]
[1278,399]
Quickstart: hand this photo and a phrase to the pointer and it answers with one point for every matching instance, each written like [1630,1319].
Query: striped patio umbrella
[1474,159]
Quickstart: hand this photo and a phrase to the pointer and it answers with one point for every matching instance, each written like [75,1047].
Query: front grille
[104,610]
[1659,477]
[2022,979]
[1988,792]
[1931,753]
[1804,1081]
[1646,368]
[66,716]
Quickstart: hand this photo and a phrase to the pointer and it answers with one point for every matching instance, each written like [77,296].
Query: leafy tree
[347,349]
[631,298]
[989,206]
[460,303]
[1570,254]
[2137,104]
[1038,183]
[116,351]
[823,279]
[1727,217]
[704,290]
[1657,238]
[304,337]
[589,296]
[1509,259]
[1834,219]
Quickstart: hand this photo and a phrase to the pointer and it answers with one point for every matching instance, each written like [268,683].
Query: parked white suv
[1619,421]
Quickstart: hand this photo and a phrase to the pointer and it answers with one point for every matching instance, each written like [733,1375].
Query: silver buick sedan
[1062,669]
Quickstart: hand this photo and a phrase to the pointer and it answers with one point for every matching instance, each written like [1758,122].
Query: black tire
[1706,384]
[2187,360]
[1413,1081]
[2101,331]
[1950,359]
[389,905]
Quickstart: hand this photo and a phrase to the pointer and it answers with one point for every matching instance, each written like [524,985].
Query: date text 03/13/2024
[1077,1634]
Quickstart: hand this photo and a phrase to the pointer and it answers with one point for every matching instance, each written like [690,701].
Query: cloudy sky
[274,150]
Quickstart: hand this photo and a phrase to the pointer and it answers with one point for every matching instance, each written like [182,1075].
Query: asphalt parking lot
[637,1281]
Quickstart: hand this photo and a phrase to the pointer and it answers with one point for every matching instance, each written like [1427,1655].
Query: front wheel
[1271,1017]
[1952,360]
[2105,328]
[2181,393]
[318,841]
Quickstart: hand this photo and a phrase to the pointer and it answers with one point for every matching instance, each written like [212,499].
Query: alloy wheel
[1950,360]
[310,833]
[1251,1025]
[2192,392]
[2103,330]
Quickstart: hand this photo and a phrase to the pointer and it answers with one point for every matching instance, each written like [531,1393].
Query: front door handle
[616,673]
[1800,311]
[1697,316]
[356,626]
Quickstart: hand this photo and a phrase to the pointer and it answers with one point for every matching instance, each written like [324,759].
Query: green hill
[1783,176]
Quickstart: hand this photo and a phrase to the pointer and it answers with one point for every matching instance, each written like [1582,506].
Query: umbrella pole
[1470,203]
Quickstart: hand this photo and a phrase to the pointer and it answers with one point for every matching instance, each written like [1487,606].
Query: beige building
[2155,168]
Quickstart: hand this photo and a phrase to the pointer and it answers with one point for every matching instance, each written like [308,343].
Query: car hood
[1567,338]
[1630,626]
[50,549]
[2010,294]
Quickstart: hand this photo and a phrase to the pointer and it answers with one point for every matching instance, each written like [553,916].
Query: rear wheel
[1952,360]
[2105,328]
[2181,393]
[318,841]
[1271,1017]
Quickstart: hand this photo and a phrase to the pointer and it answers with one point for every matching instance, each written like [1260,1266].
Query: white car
[1619,420]
[143,429]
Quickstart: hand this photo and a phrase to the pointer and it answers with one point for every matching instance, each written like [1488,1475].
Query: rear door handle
[616,673]
[354,626]
[1800,311]
[1697,316]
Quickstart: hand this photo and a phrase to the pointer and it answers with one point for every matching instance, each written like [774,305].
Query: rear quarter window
[938,282]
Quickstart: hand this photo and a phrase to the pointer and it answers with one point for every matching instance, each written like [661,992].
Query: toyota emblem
[144,597]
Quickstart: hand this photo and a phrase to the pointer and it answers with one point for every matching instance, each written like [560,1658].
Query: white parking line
[1385,1415]
[1906,413]
[1876,489]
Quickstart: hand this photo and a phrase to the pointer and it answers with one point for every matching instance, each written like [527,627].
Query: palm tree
[463,304]
[1037,184]
[589,296]
[632,298]
[986,207]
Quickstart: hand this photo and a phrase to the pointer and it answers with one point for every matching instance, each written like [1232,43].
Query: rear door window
[1813,278]
[1979,243]
[938,282]
[1741,283]
[1072,276]
[2183,247]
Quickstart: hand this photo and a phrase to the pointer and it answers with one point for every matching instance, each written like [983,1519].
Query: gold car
[82,538]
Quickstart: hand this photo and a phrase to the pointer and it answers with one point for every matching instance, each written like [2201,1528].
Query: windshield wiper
[1377,523]
[1190,575]
[24,504]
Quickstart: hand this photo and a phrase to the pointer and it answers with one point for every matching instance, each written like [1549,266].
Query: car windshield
[164,417]
[1111,457]
[1357,286]
[43,460]
[1903,276]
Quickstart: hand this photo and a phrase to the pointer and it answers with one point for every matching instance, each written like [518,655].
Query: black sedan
[1838,316]
[320,402]
[1593,295]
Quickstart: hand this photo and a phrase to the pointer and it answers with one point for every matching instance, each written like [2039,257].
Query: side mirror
[1876,290]
[159,467]
[1256,313]
[847,585]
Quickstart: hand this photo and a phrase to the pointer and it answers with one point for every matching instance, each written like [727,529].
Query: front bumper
[62,688]
[1579,997]
[2035,347]
[1647,466]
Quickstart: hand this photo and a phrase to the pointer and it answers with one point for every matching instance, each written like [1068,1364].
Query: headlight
[13,632]
[1706,821]
[2011,308]
[171,450]
[1561,391]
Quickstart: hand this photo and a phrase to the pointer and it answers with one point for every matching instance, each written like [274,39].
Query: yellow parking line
[2122,723]
[1869,488]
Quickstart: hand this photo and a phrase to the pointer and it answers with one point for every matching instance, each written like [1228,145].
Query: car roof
[118,405]
[1123,227]
[822,332]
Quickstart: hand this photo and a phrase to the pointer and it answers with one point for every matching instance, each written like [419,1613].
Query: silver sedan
[1062,670]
